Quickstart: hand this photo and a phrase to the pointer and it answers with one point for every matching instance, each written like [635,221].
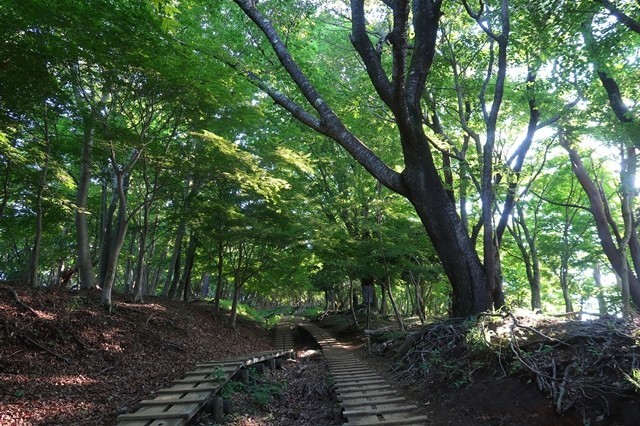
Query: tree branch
[426,14]
[371,58]
[330,125]
[625,19]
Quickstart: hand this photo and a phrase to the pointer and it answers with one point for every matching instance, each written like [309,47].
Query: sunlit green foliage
[288,215]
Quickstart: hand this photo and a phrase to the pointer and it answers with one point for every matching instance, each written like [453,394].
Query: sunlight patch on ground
[46,316]
[111,336]
[48,411]
[308,353]
[71,380]
[146,307]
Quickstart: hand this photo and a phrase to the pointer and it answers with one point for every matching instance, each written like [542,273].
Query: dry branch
[40,346]
[17,299]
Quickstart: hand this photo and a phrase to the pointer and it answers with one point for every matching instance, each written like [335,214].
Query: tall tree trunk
[526,244]
[174,265]
[599,211]
[219,278]
[597,277]
[234,305]
[175,281]
[564,283]
[142,273]
[121,189]
[90,116]
[139,279]
[107,224]
[188,266]
[393,302]
[129,273]
[383,299]
[85,264]
[35,251]
[630,285]
[416,284]
[204,289]
[153,287]
[117,241]
[5,188]
[351,302]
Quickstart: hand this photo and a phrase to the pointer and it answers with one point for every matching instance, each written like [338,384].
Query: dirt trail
[489,398]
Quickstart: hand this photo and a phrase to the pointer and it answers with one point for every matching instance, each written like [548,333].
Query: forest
[448,187]
[455,156]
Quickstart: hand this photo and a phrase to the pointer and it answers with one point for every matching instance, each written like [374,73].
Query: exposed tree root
[17,299]
[573,362]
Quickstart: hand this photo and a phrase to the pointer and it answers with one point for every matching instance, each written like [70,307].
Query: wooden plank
[201,379]
[170,422]
[355,373]
[358,380]
[346,394]
[155,413]
[353,383]
[133,423]
[350,370]
[357,402]
[170,399]
[357,365]
[375,410]
[373,420]
[210,371]
[143,412]
[346,368]
[364,387]
[363,376]
[220,364]
[348,397]
[187,388]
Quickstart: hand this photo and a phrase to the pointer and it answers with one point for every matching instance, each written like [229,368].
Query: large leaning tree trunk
[420,181]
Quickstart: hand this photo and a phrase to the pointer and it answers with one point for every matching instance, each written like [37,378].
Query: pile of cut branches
[575,363]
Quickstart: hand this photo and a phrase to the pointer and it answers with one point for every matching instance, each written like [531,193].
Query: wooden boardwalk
[283,336]
[176,405]
[364,396]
